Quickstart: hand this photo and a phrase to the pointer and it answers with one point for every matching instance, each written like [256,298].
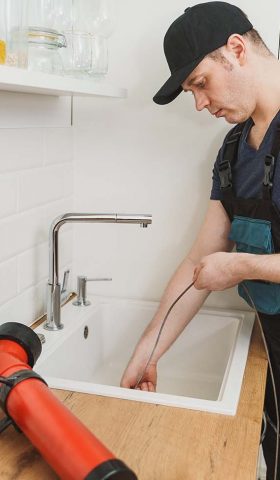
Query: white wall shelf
[25,81]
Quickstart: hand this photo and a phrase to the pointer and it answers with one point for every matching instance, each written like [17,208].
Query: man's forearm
[222,270]
[179,317]
[260,267]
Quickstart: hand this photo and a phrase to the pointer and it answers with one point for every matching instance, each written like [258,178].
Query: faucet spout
[53,321]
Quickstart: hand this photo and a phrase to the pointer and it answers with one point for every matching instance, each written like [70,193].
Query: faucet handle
[82,289]
[65,281]
[98,279]
[63,292]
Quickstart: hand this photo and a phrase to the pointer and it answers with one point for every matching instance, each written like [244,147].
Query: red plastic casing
[63,441]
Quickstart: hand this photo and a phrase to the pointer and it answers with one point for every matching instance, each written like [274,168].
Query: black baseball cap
[200,30]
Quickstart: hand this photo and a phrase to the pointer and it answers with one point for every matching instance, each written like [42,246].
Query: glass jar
[43,50]
[13,33]
[3,32]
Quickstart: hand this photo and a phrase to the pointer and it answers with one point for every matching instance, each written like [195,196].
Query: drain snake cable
[160,331]
[276,429]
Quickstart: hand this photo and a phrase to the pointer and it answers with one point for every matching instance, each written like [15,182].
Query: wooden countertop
[158,442]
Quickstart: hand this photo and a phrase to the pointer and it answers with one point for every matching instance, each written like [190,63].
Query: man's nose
[201,101]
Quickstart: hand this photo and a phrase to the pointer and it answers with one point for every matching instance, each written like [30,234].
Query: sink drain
[86,332]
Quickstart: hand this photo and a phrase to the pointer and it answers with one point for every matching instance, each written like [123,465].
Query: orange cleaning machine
[63,441]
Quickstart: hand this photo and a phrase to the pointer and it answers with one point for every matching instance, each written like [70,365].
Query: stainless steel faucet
[53,321]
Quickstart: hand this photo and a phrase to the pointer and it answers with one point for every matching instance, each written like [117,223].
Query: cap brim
[172,88]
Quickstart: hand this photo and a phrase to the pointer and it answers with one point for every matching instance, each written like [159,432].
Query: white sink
[203,369]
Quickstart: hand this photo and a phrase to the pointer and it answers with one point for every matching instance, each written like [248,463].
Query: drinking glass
[63,15]
[41,13]
[81,48]
[101,22]
[99,56]
[102,17]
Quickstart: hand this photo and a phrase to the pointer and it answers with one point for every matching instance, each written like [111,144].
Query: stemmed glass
[93,23]
[101,28]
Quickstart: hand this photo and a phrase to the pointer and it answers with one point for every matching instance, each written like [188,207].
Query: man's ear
[237,47]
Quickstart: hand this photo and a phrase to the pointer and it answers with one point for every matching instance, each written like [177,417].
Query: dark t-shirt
[248,168]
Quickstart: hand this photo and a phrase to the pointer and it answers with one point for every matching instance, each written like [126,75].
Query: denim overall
[255,228]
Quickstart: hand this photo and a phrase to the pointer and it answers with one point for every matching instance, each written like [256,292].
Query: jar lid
[41,36]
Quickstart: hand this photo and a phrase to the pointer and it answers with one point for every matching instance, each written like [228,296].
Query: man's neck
[268,99]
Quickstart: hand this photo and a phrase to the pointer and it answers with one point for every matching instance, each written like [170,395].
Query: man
[214,53]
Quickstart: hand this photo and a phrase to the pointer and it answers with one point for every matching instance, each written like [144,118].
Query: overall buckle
[268,170]
[225,174]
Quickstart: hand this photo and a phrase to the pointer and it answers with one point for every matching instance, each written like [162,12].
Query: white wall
[134,156]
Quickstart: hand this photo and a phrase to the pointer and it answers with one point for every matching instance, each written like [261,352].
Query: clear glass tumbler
[81,54]
[100,56]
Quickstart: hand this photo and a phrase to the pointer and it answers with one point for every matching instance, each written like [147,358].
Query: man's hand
[134,370]
[219,271]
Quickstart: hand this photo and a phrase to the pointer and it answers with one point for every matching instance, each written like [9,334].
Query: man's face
[223,88]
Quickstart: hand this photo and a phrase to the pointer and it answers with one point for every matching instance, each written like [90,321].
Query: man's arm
[261,267]
[219,271]
[213,237]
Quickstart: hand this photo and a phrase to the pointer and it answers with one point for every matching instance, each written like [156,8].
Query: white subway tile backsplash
[21,148]
[59,145]
[28,229]
[43,185]
[8,194]
[25,307]
[33,266]
[21,232]
[8,280]
[36,185]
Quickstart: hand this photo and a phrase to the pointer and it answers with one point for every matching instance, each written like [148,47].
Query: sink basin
[202,370]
